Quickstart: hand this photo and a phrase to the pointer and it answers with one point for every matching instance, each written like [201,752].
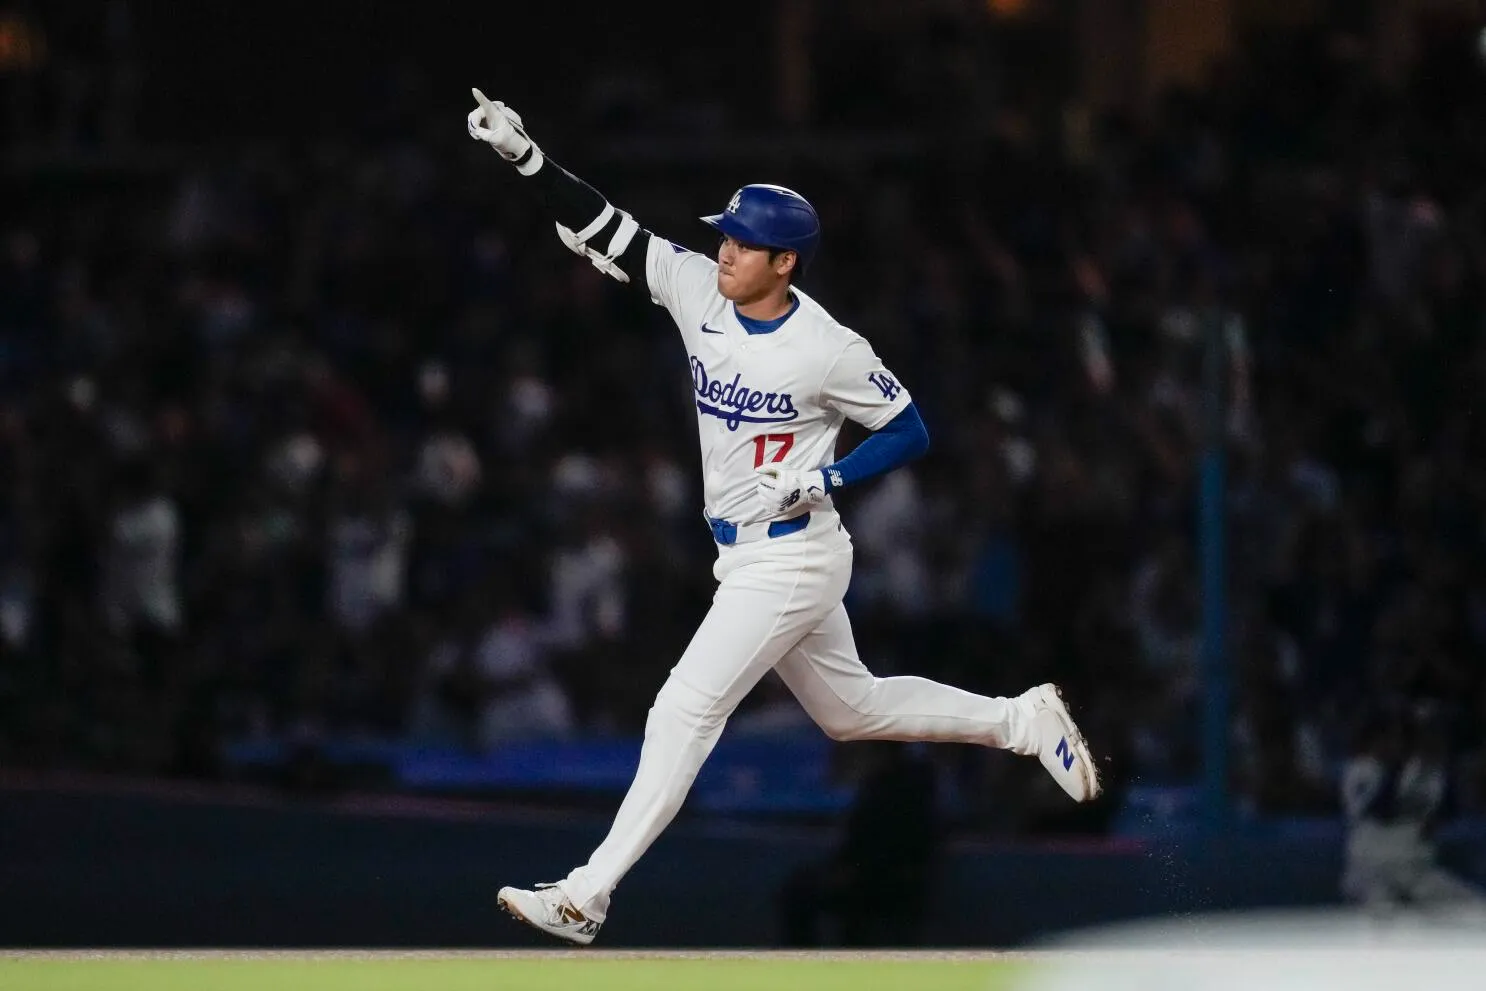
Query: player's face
[746,273]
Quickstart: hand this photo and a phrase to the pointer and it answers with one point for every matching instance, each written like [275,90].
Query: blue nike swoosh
[708,330]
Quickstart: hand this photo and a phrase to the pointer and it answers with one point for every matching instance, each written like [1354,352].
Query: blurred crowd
[336,437]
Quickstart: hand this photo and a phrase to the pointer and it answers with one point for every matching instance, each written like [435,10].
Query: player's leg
[850,703]
[1368,884]
[1436,889]
[763,606]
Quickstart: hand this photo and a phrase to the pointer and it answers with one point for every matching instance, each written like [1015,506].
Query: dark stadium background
[264,308]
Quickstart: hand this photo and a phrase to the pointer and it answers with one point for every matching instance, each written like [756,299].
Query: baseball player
[775,377]
[1392,795]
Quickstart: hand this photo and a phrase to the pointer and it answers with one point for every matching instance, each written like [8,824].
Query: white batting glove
[500,127]
[785,493]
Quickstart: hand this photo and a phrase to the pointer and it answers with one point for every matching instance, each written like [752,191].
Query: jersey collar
[754,327]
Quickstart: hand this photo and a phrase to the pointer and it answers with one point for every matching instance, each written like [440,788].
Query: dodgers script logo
[735,403]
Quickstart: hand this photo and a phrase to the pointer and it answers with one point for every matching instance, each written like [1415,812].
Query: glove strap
[597,224]
[531,160]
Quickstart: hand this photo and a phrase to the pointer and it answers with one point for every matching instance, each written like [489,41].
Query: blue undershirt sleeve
[898,442]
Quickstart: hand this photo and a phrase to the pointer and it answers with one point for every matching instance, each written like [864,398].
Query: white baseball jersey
[778,398]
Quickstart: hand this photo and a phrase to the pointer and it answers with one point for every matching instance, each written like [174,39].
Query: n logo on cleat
[1065,753]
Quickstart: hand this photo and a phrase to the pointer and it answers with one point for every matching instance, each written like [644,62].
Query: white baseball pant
[778,605]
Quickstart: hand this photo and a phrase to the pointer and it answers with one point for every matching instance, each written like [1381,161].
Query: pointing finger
[485,105]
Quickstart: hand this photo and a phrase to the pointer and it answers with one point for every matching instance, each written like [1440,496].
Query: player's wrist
[831,479]
[530,160]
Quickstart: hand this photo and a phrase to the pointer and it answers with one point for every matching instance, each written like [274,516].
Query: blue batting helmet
[770,217]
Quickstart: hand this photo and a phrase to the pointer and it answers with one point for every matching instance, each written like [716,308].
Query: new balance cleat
[549,910]
[1060,746]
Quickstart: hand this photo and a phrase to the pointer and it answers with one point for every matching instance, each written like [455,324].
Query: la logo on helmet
[733,203]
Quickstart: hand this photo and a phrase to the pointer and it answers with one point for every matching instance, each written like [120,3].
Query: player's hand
[500,127]
[785,493]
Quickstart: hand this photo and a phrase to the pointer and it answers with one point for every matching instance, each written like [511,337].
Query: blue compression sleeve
[898,442]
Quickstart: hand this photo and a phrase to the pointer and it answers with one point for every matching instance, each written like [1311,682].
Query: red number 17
[760,443]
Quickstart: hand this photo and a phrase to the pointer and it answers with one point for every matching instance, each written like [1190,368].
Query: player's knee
[849,720]
[679,702]
[844,724]
[841,729]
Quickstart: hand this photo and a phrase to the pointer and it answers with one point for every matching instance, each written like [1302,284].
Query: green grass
[455,973]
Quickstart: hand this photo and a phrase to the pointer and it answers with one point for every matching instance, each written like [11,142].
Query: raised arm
[586,222]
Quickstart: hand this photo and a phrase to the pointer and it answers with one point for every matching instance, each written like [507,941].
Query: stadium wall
[166,868]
